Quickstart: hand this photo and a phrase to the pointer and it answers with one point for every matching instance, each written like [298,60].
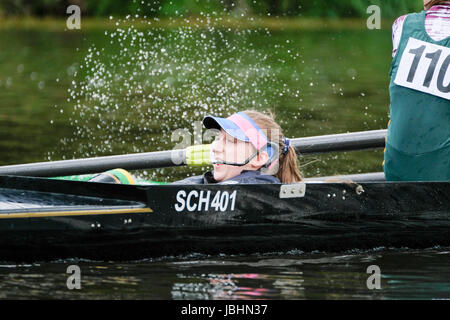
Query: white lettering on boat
[189,206]
[204,201]
[181,204]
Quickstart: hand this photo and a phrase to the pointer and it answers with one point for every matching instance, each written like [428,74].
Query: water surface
[405,274]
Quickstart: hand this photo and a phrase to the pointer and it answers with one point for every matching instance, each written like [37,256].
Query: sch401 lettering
[203,200]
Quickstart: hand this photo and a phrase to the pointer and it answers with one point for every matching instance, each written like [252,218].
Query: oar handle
[161,159]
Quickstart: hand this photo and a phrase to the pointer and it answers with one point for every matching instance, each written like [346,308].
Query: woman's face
[228,149]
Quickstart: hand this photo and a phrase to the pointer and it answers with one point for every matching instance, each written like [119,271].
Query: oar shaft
[160,159]
[340,142]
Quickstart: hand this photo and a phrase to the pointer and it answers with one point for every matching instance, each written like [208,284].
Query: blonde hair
[288,171]
[431,3]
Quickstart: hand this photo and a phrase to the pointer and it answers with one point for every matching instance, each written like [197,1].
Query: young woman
[418,140]
[249,148]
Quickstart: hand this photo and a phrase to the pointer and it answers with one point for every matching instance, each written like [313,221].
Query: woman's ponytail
[288,171]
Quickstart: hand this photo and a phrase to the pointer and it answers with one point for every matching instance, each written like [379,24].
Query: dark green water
[405,274]
[66,94]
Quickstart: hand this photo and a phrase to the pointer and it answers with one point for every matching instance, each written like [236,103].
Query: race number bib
[425,67]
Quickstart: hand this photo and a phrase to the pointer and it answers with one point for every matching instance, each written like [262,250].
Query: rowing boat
[45,219]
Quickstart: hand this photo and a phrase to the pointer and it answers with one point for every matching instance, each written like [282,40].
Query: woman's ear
[260,160]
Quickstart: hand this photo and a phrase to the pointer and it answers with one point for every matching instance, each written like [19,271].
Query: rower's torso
[420,109]
[418,140]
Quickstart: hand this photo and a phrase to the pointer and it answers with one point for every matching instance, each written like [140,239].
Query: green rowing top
[418,139]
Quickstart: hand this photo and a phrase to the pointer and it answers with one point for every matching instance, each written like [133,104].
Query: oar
[159,159]
[340,142]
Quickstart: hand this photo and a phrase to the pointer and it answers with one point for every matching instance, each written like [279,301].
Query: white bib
[425,67]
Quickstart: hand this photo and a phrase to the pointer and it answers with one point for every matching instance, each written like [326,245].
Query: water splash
[144,81]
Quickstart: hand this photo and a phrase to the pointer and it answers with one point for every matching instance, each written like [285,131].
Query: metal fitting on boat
[294,190]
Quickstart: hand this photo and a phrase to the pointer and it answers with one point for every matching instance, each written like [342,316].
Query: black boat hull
[118,222]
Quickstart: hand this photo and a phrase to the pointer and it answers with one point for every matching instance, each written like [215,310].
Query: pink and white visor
[241,127]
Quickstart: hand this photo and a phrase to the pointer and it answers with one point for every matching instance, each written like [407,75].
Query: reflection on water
[221,286]
[405,274]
